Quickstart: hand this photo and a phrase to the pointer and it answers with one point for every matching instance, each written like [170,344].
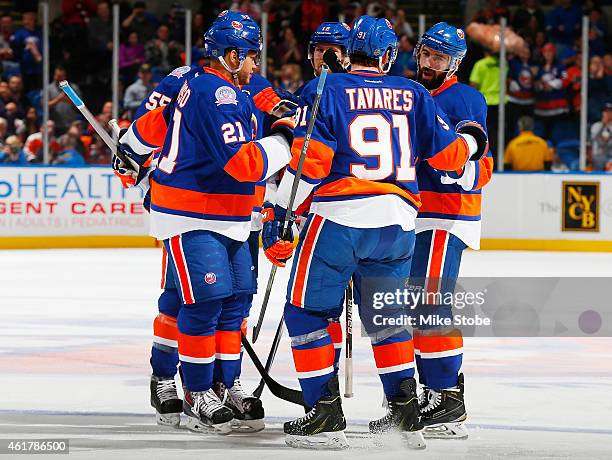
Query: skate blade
[173,420]
[198,426]
[247,426]
[414,439]
[335,440]
[455,430]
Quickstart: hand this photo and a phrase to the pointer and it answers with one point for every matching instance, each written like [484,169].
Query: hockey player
[447,223]
[202,195]
[361,166]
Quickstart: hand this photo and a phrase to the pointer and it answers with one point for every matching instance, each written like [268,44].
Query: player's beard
[431,83]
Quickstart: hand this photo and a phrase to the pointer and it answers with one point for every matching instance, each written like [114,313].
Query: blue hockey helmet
[446,39]
[373,37]
[232,30]
[329,33]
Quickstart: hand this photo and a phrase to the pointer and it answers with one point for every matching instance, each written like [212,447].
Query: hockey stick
[100,131]
[277,338]
[348,370]
[278,390]
[294,187]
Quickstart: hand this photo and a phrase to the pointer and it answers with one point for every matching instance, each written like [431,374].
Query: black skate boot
[402,416]
[248,410]
[206,414]
[322,427]
[164,399]
[443,413]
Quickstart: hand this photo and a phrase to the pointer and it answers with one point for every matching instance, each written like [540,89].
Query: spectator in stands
[137,91]
[527,152]
[536,50]
[15,84]
[162,53]
[400,24]
[6,35]
[131,57]
[175,20]
[563,22]
[142,22]
[12,153]
[100,30]
[27,48]
[567,55]
[313,13]
[3,129]
[77,12]
[485,78]
[600,88]
[61,110]
[289,49]
[528,19]
[521,73]
[491,13]
[13,117]
[551,105]
[291,77]
[5,95]
[247,7]
[601,140]
[69,155]
[597,32]
[33,147]
[31,124]
[405,64]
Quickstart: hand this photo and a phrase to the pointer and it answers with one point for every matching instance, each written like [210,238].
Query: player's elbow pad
[475,136]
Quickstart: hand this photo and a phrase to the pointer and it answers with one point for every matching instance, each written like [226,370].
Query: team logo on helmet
[389,24]
[223,13]
[210,278]
[225,95]
[237,25]
[460,34]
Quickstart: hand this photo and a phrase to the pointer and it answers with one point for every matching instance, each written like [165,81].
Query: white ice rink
[75,336]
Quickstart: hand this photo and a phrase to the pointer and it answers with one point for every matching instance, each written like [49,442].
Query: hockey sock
[439,358]
[313,351]
[394,358]
[164,352]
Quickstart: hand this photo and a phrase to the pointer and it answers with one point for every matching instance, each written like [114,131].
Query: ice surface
[75,339]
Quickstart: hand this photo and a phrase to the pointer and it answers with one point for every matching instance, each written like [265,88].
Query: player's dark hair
[362,59]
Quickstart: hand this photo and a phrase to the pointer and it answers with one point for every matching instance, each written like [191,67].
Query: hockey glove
[331,60]
[128,166]
[471,128]
[284,126]
[278,248]
[466,178]
[275,102]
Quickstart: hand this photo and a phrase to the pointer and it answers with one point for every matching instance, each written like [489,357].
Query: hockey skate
[402,416]
[206,414]
[248,410]
[443,413]
[322,427]
[164,399]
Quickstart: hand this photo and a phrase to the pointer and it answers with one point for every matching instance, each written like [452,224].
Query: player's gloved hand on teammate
[278,247]
[275,102]
[465,178]
[331,60]
[474,129]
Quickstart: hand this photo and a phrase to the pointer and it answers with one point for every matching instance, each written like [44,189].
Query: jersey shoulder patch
[180,71]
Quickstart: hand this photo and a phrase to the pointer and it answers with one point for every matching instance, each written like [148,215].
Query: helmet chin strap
[234,72]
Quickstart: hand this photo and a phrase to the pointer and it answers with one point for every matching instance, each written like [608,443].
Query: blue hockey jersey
[371,132]
[209,164]
[447,204]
